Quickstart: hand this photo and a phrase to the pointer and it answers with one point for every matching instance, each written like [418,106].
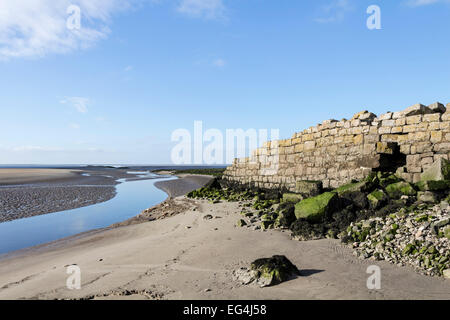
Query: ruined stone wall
[336,152]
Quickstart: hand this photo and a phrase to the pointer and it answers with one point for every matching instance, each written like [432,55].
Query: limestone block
[398,129]
[414,119]
[385,116]
[442,147]
[432,117]
[439,170]
[416,109]
[436,136]
[400,122]
[388,123]
[445,125]
[309,145]
[410,128]
[437,107]
[446,115]
[384,130]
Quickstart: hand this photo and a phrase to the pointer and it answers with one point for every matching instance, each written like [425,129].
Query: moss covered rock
[384,181]
[313,209]
[286,215]
[377,198]
[351,187]
[292,197]
[439,170]
[274,270]
[432,185]
[396,190]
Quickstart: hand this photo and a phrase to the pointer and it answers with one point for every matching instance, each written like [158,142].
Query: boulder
[384,181]
[427,197]
[432,185]
[286,216]
[377,198]
[351,187]
[416,109]
[446,273]
[439,170]
[364,116]
[313,209]
[292,197]
[357,198]
[308,188]
[274,270]
[396,190]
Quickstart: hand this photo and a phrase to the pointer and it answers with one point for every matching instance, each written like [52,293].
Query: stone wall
[336,152]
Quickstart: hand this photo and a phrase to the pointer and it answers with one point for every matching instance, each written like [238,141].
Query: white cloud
[335,11]
[35,28]
[208,9]
[128,68]
[420,3]
[219,63]
[79,103]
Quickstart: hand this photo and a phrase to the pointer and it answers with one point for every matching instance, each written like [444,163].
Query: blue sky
[137,70]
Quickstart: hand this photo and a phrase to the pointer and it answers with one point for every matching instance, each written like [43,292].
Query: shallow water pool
[132,197]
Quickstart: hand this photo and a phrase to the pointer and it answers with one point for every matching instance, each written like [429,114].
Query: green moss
[376,198]
[396,190]
[430,185]
[316,207]
[292,197]
[351,187]
[422,218]
[385,181]
[274,270]
[408,249]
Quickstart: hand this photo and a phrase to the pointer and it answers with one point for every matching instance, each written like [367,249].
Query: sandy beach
[172,251]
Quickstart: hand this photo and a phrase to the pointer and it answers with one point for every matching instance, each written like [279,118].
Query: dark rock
[359,199]
[286,215]
[274,270]
[308,188]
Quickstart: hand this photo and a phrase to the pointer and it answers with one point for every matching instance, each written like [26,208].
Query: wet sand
[30,192]
[175,252]
[26,176]
[184,184]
